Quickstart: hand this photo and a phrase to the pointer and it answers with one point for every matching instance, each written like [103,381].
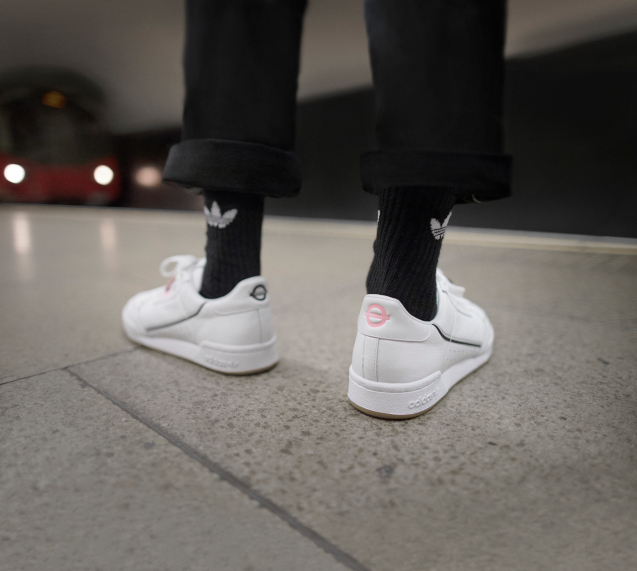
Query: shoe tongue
[197,274]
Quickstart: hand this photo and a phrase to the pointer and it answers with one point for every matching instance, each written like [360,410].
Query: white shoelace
[448,285]
[180,263]
[174,268]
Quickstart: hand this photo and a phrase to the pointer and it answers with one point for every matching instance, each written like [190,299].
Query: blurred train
[54,146]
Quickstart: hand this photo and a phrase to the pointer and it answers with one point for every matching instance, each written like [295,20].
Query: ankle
[411,225]
[233,247]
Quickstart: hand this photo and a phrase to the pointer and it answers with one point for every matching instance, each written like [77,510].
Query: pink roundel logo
[376,315]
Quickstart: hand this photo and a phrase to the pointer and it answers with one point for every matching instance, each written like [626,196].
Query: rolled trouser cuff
[473,177]
[233,165]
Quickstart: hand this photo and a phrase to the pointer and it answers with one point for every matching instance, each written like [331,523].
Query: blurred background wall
[570,98]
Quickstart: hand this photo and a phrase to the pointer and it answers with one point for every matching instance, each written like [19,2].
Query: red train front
[54,147]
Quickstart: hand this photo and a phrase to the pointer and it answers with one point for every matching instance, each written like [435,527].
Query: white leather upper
[242,317]
[392,346]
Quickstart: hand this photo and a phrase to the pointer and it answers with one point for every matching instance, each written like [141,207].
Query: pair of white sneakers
[401,366]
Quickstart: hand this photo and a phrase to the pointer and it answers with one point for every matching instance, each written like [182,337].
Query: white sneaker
[402,366]
[231,334]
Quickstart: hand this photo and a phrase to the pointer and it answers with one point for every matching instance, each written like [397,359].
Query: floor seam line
[64,367]
[327,546]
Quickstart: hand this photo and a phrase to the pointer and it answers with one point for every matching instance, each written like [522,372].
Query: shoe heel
[238,359]
[395,400]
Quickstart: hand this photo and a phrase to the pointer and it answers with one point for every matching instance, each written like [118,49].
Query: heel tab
[386,318]
[256,287]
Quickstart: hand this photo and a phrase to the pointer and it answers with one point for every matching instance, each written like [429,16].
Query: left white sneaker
[231,334]
[402,366]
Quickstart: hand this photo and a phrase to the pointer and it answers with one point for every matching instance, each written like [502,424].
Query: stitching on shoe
[376,360]
[363,359]
[175,322]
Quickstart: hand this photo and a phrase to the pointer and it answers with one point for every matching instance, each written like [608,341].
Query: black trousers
[437,67]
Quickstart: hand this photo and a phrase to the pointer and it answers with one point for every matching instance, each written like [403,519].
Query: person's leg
[437,68]
[438,78]
[241,65]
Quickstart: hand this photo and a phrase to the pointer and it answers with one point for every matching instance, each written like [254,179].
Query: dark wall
[571,123]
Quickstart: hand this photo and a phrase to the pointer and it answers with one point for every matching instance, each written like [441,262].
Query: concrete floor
[118,457]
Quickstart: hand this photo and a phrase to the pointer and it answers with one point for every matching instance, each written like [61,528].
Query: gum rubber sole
[255,372]
[391,416]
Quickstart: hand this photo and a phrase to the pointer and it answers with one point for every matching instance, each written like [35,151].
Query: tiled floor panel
[529,463]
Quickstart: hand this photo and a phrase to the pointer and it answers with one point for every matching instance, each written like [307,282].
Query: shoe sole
[228,359]
[399,401]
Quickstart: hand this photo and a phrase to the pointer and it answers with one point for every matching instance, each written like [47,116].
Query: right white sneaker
[231,334]
[402,366]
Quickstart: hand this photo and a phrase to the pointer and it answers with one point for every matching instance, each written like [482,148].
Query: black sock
[233,249]
[411,225]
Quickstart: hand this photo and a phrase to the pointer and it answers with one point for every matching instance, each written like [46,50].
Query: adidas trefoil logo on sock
[216,219]
[437,229]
